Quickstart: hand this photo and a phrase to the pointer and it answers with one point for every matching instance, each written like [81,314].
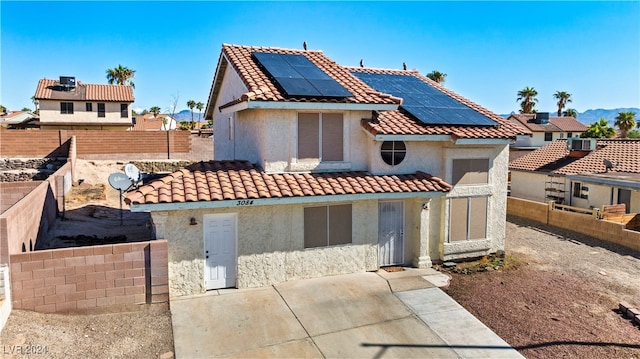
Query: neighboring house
[18,119]
[575,172]
[66,105]
[544,129]
[148,122]
[322,169]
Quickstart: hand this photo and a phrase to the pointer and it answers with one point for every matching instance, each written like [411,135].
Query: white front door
[391,233]
[220,250]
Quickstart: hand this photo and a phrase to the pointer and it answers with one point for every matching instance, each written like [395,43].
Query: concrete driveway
[372,315]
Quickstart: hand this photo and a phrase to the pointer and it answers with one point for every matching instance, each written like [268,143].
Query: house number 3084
[245,202]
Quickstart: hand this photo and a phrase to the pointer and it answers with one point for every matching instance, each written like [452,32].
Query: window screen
[89,106]
[470,171]
[66,107]
[467,218]
[320,136]
[124,110]
[101,111]
[327,225]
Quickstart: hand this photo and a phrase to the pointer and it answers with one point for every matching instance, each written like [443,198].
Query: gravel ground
[144,333]
[559,296]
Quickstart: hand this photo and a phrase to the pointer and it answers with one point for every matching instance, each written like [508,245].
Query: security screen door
[391,233]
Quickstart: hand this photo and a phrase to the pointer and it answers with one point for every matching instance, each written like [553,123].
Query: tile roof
[555,158]
[399,122]
[235,180]
[50,90]
[556,124]
[148,122]
[261,87]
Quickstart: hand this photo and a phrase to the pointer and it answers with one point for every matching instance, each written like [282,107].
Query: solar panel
[297,76]
[424,102]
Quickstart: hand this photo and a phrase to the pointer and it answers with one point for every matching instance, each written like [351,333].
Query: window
[320,136]
[467,218]
[548,136]
[89,107]
[393,152]
[124,110]
[562,135]
[569,134]
[327,225]
[101,110]
[470,171]
[580,191]
[577,188]
[66,108]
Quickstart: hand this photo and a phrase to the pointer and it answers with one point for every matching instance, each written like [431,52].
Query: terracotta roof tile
[399,122]
[50,90]
[233,180]
[554,157]
[556,124]
[261,87]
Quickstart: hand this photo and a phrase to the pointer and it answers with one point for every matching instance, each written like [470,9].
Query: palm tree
[599,129]
[199,106]
[155,110]
[191,105]
[625,121]
[563,98]
[121,76]
[528,98]
[437,76]
[570,112]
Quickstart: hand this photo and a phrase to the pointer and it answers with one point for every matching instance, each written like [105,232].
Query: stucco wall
[270,246]
[232,88]
[531,186]
[50,112]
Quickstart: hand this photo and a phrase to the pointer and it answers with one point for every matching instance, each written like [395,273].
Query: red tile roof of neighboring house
[399,123]
[50,90]
[554,157]
[148,122]
[235,180]
[556,124]
[260,87]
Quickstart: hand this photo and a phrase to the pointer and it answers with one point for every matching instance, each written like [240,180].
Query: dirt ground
[558,295]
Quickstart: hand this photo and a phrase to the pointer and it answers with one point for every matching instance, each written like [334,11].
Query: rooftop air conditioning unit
[581,144]
[67,81]
[541,118]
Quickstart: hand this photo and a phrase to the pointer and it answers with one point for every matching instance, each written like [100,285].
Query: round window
[393,152]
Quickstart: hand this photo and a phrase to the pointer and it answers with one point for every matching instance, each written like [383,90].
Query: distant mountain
[590,116]
[185,115]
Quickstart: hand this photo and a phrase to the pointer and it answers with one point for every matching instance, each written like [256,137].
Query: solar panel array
[297,76]
[426,103]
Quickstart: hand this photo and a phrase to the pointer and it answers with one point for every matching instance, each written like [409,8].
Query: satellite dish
[119,181]
[132,172]
[607,165]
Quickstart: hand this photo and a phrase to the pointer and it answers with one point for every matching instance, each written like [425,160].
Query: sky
[489,50]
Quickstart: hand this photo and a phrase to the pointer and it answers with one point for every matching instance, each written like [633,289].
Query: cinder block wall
[578,222]
[12,192]
[79,279]
[98,145]
[524,208]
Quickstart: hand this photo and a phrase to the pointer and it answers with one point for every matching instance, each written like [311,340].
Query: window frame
[548,136]
[89,107]
[124,110]
[332,223]
[103,112]
[471,168]
[471,215]
[393,152]
[66,108]
[327,147]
